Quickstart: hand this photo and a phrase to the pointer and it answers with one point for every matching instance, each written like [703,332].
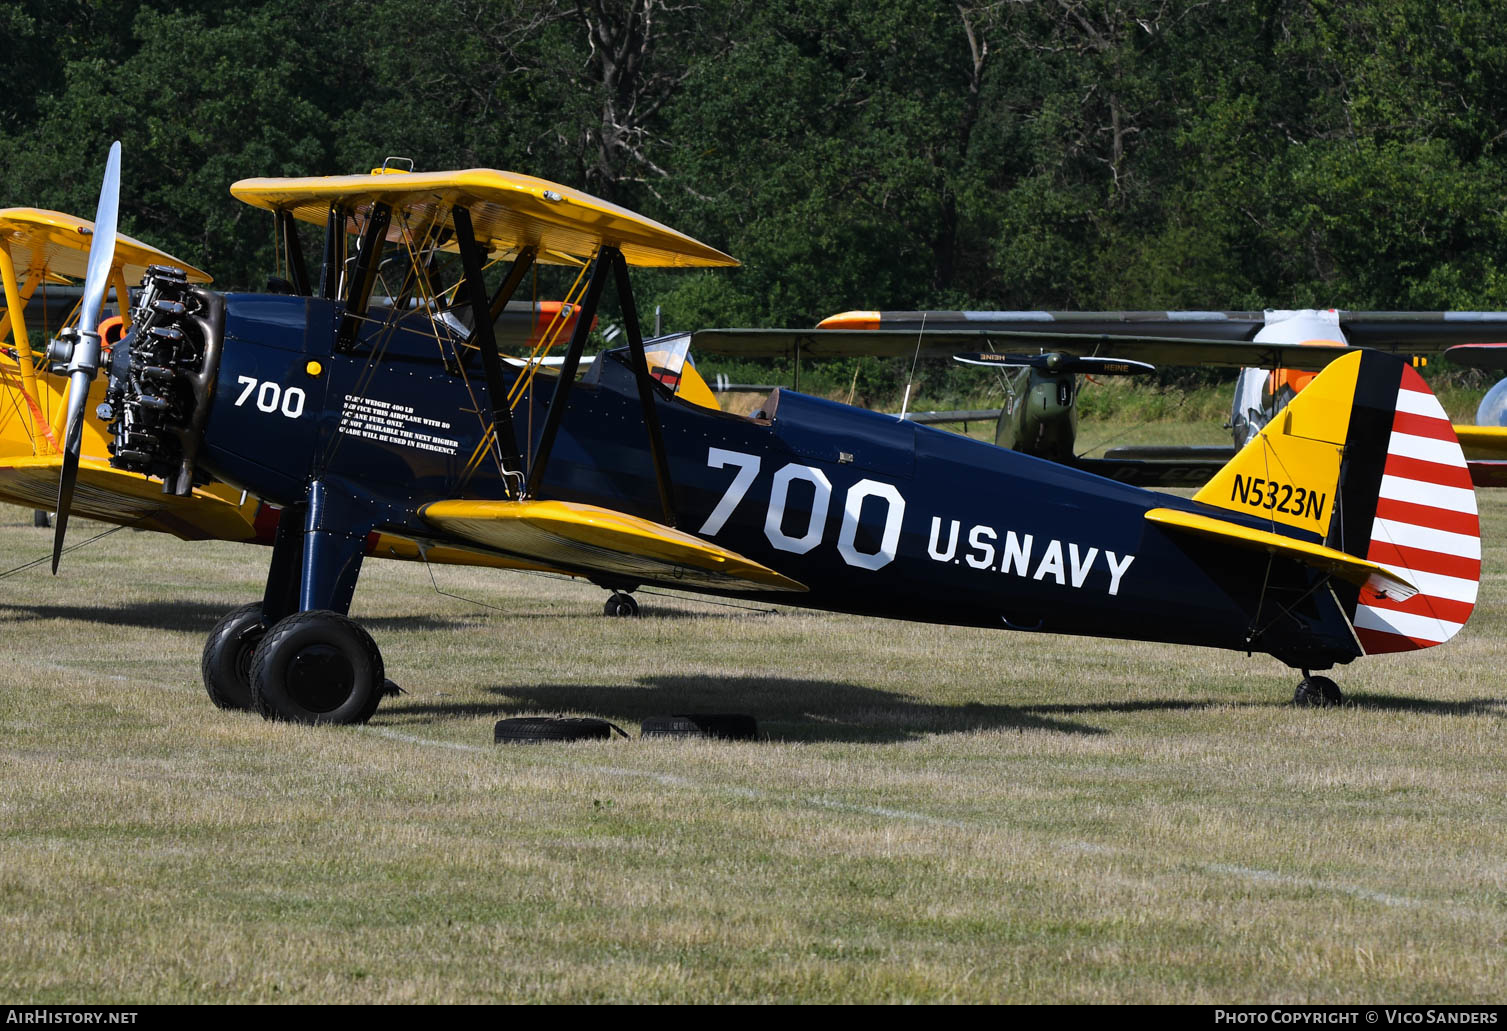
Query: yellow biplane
[41,249]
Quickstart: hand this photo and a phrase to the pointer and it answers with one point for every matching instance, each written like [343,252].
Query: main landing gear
[1317,692]
[295,655]
[317,667]
[311,667]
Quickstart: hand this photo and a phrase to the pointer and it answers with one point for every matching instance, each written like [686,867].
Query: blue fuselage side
[876,516]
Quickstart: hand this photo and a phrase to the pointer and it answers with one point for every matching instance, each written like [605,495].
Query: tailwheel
[228,652]
[620,604]
[1317,692]
[317,667]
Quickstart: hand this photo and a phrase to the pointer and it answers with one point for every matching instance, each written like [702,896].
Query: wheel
[226,664]
[525,729]
[1318,691]
[730,726]
[40,519]
[620,604]
[317,667]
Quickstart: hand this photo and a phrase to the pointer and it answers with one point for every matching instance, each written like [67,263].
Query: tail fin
[1365,461]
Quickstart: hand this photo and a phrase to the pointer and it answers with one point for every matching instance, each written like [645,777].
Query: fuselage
[875,515]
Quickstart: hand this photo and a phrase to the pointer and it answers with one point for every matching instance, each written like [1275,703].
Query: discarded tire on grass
[729,726]
[526,729]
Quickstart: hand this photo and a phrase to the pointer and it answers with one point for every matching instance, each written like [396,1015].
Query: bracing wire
[905,402]
[72,547]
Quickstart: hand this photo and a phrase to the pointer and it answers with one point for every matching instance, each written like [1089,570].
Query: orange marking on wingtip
[850,320]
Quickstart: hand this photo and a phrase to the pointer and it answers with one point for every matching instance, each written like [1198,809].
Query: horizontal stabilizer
[1487,474]
[1377,578]
[590,540]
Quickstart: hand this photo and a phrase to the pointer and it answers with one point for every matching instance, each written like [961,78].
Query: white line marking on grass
[1290,880]
[58,667]
[410,739]
[894,814]
[1249,873]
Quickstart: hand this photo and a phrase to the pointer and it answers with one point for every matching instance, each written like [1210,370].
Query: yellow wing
[588,539]
[59,244]
[1479,441]
[217,512]
[508,211]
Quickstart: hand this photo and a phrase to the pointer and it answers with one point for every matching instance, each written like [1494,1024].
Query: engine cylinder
[161,378]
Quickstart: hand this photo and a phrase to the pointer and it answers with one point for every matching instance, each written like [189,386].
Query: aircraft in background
[1040,356]
[1325,539]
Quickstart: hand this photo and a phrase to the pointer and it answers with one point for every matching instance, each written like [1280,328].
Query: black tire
[526,729]
[228,654]
[40,519]
[729,726]
[317,667]
[620,604]
[1318,692]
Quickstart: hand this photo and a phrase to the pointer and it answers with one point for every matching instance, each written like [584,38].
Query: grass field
[937,814]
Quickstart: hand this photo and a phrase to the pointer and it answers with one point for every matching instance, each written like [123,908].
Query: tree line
[1083,154]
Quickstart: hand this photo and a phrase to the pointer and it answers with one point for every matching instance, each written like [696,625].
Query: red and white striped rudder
[1426,528]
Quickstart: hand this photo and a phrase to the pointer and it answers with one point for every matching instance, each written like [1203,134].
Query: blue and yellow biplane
[1346,527]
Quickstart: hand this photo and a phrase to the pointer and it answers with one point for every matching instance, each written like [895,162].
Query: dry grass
[939,814]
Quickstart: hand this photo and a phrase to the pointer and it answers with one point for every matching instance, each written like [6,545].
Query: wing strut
[287,228]
[484,335]
[358,292]
[334,253]
[608,259]
[16,299]
[645,387]
[509,287]
[568,369]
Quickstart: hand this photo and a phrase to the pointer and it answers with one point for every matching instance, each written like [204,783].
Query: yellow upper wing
[588,539]
[59,243]
[508,212]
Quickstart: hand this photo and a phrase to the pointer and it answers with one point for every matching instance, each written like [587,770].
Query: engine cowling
[162,377]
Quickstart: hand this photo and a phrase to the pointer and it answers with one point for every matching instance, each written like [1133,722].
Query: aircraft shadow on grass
[795,709]
[1430,706]
[787,708]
